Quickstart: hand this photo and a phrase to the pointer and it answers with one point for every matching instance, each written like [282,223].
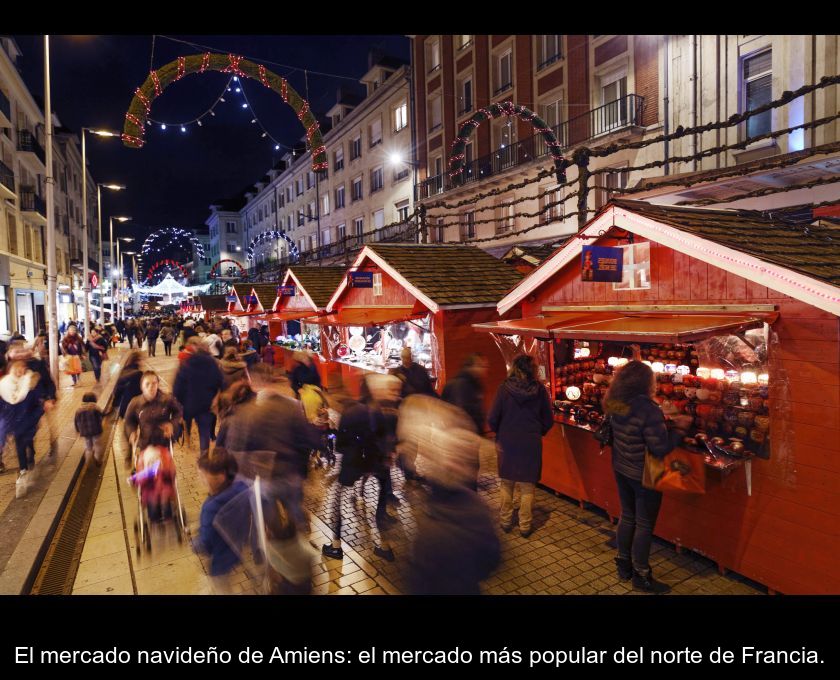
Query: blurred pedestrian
[73,349]
[152,333]
[233,368]
[521,416]
[88,423]
[198,381]
[466,390]
[154,418]
[414,380]
[167,335]
[304,372]
[97,348]
[20,411]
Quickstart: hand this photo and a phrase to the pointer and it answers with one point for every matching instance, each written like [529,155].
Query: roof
[319,282]
[213,303]
[450,274]
[813,250]
[266,293]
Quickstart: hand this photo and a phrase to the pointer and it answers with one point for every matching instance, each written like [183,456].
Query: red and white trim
[294,278]
[798,286]
[367,252]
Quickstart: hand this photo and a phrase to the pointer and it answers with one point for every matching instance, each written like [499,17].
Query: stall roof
[319,283]
[441,275]
[266,293]
[366,316]
[292,315]
[671,328]
[802,262]
[213,303]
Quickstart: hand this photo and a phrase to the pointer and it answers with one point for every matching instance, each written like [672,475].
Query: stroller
[158,500]
[318,412]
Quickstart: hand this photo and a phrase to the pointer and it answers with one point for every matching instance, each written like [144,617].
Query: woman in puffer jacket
[637,424]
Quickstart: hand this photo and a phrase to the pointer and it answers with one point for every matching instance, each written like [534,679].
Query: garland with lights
[166,263]
[141,105]
[215,268]
[270,236]
[458,154]
[174,234]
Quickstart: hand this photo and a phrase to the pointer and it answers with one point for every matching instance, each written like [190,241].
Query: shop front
[247,302]
[738,318]
[304,292]
[425,297]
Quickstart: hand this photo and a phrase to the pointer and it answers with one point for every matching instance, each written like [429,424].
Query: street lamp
[99,187]
[111,246]
[121,271]
[85,227]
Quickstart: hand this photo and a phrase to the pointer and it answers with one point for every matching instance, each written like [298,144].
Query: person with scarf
[73,348]
[20,411]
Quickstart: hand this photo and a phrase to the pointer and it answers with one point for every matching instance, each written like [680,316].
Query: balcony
[31,150]
[621,114]
[7,182]
[32,205]
[5,111]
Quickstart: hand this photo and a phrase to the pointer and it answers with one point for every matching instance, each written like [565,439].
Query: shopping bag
[680,471]
[62,363]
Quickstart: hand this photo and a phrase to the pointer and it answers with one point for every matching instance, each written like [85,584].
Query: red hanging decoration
[233,66]
[303,110]
[205,62]
[156,81]
[142,97]
[263,77]
[182,67]
[284,90]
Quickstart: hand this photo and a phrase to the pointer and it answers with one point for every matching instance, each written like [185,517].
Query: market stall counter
[425,297]
[738,318]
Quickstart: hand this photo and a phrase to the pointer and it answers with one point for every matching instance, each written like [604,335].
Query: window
[288,221]
[548,49]
[433,55]
[438,231]
[613,101]
[313,242]
[356,191]
[401,172]
[282,199]
[231,247]
[551,112]
[551,205]
[289,194]
[376,132]
[310,179]
[504,70]
[402,210]
[465,95]
[756,89]
[400,116]
[260,213]
[434,113]
[463,41]
[356,148]
[341,232]
[359,228]
[376,179]
[27,243]
[467,226]
[301,217]
[339,197]
[325,204]
[505,136]
[273,205]
[325,237]
[299,186]
[377,284]
[610,180]
[311,212]
[504,218]
[230,227]
[338,159]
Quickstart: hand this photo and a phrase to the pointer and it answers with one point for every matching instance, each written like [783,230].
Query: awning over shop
[537,326]
[291,315]
[366,316]
[658,328]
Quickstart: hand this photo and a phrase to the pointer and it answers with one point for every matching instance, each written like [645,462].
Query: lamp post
[121,271]
[133,275]
[99,187]
[52,312]
[111,247]
[85,227]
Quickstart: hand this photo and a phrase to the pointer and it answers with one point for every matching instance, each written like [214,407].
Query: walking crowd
[257,447]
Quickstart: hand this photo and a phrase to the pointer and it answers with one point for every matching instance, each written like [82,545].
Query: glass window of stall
[378,348]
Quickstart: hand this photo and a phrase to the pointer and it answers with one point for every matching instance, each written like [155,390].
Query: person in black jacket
[198,381]
[305,372]
[637,424]
[466,390]
[521,416]
[88,422]
[152,333]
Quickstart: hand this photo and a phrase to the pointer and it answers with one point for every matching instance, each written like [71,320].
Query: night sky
[173,179]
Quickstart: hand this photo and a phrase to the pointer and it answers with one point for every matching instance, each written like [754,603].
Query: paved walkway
[568,553]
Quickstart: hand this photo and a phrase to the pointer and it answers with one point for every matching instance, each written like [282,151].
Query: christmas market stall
[304,292]
[737,315]
[212,305]
[248,302]
[420,296]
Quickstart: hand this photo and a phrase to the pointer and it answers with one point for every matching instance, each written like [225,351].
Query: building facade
[594,91]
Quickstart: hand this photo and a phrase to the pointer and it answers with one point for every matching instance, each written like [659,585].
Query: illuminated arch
[270,236]
[141,105]
[166,263]
[216,266]
[458,155]
[174,233]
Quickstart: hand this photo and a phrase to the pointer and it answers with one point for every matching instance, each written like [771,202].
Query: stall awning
[291,315]
[366,316]
[659,328]
[536,326]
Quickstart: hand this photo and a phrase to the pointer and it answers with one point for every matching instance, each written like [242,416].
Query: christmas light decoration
[169,264]
[159,80]
[269,236]
[175,234]
[214,269]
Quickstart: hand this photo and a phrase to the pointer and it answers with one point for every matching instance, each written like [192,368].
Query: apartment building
[593,91]
[225,232]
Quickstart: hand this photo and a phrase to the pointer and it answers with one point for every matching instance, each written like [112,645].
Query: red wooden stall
[712,277]
[437,291]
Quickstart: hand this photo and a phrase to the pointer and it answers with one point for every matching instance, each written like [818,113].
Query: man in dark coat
[415,379]
[198,381]
[521,416]
[151,336]
[154,417]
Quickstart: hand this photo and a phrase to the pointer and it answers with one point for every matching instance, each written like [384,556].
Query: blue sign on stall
[230,298]
[286,291]
[361,279]
[601,263]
